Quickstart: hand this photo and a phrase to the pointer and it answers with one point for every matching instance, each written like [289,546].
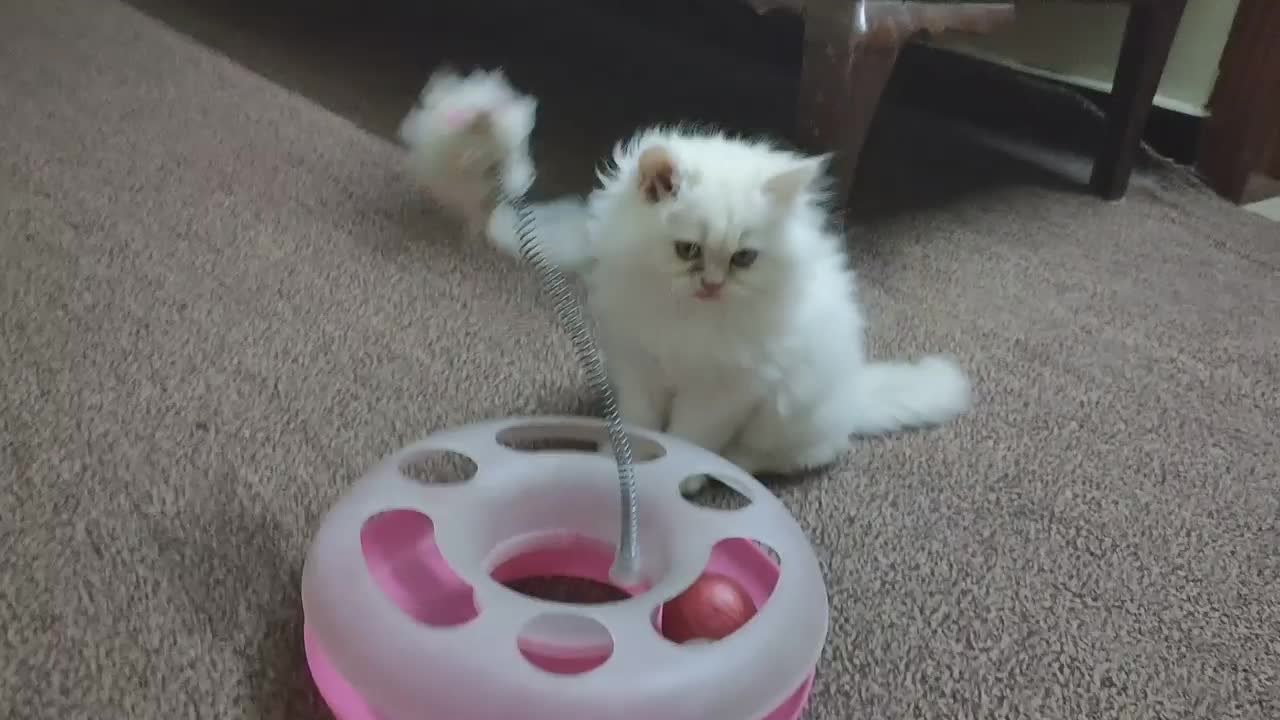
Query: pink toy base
[405,562]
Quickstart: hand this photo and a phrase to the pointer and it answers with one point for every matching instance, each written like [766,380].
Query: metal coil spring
[569,310]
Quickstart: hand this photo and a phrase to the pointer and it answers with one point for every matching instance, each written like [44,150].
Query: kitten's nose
[710,289]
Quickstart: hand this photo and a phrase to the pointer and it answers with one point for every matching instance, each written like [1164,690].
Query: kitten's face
[716,230]
[714,253]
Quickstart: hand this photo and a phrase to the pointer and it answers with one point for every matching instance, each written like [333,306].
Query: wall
[1079,43]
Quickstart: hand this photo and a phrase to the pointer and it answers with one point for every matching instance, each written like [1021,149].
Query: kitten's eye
[743,258]
[686,250]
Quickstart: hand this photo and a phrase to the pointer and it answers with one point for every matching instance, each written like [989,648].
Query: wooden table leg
[825,99]
[1241,138]
[841,83]
[1148,37]
[872,67]
[845,72]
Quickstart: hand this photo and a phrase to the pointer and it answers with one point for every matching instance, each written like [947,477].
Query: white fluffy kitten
[467,137]
[726,308]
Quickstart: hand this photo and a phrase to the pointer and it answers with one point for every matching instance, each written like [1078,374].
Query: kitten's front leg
[708,417]
[639,401]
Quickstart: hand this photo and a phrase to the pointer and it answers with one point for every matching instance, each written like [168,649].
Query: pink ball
[712,608]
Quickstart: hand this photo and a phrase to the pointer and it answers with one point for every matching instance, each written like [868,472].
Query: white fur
[468,137]
[772,374]
[559,228]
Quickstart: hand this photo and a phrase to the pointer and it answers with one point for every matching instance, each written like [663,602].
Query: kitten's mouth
[707,293]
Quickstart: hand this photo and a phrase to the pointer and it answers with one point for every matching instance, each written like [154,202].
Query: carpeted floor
[220,302]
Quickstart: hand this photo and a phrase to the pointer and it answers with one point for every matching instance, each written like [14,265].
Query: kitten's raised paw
[693,485]
[467,139]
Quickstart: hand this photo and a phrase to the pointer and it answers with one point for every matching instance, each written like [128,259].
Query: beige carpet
[220,302]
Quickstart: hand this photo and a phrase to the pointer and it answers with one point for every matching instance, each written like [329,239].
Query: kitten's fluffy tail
[559,227]
[891,396]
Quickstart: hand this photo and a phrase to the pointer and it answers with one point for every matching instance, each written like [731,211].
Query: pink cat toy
[409,616]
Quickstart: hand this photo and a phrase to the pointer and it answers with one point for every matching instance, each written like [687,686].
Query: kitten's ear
[785,186]
[658,177]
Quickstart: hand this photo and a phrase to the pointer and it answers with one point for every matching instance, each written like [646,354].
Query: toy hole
[439,467]
[767,549]
[570,569]
[567,437]
[569,590]
[402,556]
[739,578]
[564,643]
[718,494]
